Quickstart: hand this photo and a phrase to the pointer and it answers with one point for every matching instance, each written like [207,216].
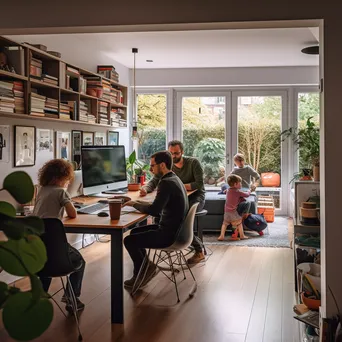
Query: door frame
[284,145]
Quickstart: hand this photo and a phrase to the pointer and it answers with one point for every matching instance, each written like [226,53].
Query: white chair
[172,255]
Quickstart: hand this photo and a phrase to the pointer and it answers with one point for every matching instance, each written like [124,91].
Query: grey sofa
[214,204]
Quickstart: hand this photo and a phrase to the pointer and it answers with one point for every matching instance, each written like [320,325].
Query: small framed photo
[24,146]
[63,145]
[44,140]
[76,138]
[100,139]
[113,138]
[4,144]
[87,138]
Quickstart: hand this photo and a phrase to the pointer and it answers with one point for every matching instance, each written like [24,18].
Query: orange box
[268,213]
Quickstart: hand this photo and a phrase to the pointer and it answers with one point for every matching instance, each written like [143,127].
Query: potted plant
[135,169]
[306,139]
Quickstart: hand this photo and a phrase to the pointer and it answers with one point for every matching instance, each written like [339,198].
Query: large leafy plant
[306,140]
[26,315]
[135,166]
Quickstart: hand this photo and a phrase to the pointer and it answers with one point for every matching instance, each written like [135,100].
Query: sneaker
[196,258]
[79,306]
[130,282]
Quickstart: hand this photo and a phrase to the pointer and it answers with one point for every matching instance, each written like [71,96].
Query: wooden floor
[244,294]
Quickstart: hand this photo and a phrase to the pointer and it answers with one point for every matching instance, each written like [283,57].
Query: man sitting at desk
[190,172]
[171,204]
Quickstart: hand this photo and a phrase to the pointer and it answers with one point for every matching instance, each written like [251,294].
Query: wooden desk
[93,224]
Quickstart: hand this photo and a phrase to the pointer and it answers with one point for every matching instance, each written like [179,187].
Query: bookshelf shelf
[118,105]
[41,84]
[88,97]
[69,91]
[13,75]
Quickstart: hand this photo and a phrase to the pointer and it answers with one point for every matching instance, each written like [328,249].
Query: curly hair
[55,171]
[232,179]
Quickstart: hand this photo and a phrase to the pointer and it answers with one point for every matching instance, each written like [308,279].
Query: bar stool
[198,229]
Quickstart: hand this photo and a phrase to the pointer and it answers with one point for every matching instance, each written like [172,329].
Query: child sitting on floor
[52,199]
[231,216]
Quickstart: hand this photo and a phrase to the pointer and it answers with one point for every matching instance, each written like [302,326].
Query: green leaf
[36,288]
[19,185]
[31,251]
[4,293]
[12,227]
[25,321]
[33,224]
[132,157]
[7,209]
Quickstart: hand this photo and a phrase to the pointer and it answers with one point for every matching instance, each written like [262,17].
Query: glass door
[204,121]
[258,120]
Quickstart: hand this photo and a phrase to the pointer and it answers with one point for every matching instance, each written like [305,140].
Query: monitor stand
[116,191]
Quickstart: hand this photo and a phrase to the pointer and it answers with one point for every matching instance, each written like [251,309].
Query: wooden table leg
[116,274]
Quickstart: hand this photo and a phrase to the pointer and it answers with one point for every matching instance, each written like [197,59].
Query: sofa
[214,204]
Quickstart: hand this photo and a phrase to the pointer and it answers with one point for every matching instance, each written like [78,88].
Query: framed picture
[44,140]
[76,137]
[87,138]
[100,138]
[113,138]
[63,145]
[4,144]
[24,145]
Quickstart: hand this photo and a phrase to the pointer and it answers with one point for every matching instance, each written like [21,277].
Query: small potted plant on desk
[136,169]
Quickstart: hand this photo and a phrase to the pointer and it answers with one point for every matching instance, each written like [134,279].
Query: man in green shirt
[190,172]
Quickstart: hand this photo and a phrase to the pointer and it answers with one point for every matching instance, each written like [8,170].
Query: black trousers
[196,242]
[149,236]
[76,277]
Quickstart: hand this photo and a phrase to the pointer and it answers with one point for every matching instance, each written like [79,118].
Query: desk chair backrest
[58,262]
[186,233]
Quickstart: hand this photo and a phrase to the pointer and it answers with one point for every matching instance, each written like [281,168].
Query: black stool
[199,230]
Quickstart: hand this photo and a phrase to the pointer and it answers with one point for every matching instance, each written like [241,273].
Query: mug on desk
[115,208]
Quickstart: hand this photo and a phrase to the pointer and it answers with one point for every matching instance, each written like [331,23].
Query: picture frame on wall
[100,139]
[24,146]
[63,145]
[44,141]
[87,138]
[76,138]
[113,138]
[4,144]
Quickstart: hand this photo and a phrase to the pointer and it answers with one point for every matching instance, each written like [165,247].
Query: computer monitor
[103,169]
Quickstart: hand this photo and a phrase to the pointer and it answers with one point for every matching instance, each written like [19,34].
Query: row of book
[12,97]
[117,117]
[85,112]
[36,67]
[108,71]
[103,113]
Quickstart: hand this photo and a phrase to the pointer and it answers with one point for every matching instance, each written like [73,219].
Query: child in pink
[231,216]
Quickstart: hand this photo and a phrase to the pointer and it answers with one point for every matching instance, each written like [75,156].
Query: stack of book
[73,110]
[37,103]
[114,95]
[6,97]
[91,118]
[18,91]
[83,85]
[122,123]
[36,67]
[94,85]
[64,111]
[50,79]
[83,111]
[106,95]
[103,112]
[72,70]
[108,71]
[114,117]
[51,108]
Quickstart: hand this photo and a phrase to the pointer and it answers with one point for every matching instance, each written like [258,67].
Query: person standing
[190,172]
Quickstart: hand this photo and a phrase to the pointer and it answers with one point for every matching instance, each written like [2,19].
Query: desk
[93,224]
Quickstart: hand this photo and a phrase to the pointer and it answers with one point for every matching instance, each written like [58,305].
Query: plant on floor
[135,167]
[25,314]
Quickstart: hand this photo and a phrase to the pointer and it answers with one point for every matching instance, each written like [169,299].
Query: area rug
[277,236]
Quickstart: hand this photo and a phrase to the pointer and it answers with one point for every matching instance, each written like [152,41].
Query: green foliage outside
[26,315]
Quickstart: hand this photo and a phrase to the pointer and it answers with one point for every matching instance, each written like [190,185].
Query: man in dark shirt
[190,172]
[171,204]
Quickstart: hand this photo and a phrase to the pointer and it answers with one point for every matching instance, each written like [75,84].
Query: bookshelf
[46,87]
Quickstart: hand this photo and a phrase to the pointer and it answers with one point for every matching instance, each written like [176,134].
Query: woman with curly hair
[52,199]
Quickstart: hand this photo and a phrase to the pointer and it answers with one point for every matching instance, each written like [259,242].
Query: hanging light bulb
[135,121]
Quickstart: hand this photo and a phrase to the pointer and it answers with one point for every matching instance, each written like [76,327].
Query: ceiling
[187,49]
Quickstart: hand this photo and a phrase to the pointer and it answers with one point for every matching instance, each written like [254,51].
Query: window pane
[259,128]
[151,124]
[204,135]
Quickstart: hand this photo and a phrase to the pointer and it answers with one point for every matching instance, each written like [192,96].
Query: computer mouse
[102,214]
[77,206]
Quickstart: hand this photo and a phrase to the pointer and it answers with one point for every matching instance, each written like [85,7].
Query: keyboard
[93,208]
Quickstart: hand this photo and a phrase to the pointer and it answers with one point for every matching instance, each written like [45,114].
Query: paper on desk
[129,209]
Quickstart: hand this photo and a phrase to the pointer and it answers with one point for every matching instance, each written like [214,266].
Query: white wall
[305,75]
